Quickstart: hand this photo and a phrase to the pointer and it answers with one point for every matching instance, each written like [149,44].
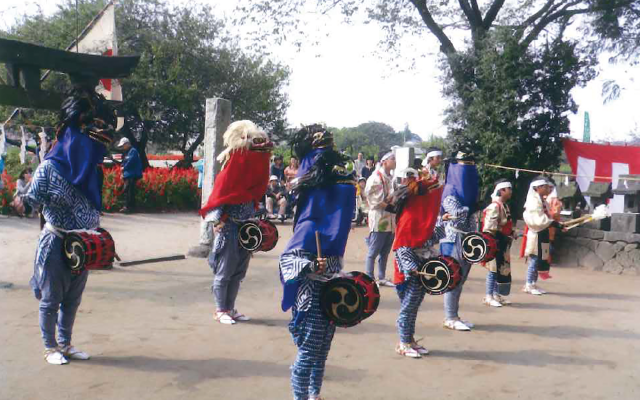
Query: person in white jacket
[537,216]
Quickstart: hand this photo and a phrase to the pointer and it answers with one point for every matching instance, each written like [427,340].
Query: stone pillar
[217,119]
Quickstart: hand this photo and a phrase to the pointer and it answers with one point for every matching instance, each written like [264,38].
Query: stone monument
[217,119]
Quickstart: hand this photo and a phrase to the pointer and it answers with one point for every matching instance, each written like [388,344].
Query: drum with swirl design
[439,275]
[349,299]
[261,235]
[87,250]
[479,247]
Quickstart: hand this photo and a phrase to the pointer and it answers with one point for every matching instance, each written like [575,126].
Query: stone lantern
[571,197]
[629,221]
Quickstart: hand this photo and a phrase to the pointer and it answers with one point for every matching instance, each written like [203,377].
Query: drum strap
[59,232]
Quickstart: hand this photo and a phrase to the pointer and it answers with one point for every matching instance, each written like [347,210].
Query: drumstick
[318,244]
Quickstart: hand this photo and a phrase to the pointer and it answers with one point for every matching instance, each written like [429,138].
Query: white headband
[404,172]
[386,156]
[501,185]
[539,182]
[434,153]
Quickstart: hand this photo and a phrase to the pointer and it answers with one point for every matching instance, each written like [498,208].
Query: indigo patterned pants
[532,270]
[60,294]
[312,336]
[492,283]
[411,294]
[452,297]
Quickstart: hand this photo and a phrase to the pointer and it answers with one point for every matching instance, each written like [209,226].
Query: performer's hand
[446,217]
[321,265]
[217,228]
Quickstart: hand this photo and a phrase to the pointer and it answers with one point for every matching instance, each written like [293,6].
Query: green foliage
[438,142]
[517,113]
[12,164]
[369,138]
[187,56]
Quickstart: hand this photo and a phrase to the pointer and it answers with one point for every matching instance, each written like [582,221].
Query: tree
[505,100]
[187,55]
[368,138]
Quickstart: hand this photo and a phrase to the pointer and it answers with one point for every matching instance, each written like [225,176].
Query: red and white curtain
[589,160]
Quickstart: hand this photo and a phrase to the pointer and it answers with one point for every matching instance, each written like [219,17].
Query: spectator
[277,168]
[23,184]
[199,166]
[131,172]
[382,221]
[1,170]
[292,170]
[368,169]
[276,194]
[358,164]
[361,202]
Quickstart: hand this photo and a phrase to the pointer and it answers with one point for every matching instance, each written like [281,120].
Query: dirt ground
[151,333]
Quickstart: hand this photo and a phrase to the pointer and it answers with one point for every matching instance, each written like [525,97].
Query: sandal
[407,350]
[53,356]
[224,318]
[419,348]
[72,353]
[456,325]
[238,316]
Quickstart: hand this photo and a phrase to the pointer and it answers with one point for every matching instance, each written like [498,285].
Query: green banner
[586,136]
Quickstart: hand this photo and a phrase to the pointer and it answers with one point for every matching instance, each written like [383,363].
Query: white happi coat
[536,217]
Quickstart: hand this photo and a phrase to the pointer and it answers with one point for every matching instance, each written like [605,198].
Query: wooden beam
[27,54]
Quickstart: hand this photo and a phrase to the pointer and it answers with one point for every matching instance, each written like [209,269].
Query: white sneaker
[540,289]
[385,282]
[490,301]
[224,318]
[456,325]
[72,353]
[54,356]
[531,289]
[238,316]
[405,349]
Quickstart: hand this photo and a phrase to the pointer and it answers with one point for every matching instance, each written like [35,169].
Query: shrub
[159,189]
[6,193]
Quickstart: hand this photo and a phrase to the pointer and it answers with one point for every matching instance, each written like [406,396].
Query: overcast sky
[342,83]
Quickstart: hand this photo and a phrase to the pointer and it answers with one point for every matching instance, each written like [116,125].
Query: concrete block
[630,246]
[626,222]
[622,236]
[603,224]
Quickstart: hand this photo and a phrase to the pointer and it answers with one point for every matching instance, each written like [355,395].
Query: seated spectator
[22,187]
[276,194]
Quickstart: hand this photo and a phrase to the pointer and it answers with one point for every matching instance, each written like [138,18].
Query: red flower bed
[159,189]
[6,193]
